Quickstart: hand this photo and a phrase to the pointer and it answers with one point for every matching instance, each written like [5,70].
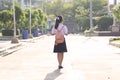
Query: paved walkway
[88,58]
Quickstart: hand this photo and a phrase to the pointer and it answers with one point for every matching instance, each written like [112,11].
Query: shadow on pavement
[53,75]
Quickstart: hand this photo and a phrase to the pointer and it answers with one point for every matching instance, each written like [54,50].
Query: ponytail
[58,20]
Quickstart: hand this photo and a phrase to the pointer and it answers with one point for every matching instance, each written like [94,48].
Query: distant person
[61,47]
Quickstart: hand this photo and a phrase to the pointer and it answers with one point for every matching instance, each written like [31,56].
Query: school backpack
[59,37]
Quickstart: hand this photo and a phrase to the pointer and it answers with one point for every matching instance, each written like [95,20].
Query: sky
[111,1]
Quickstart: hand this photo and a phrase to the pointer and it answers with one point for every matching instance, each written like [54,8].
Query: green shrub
[104,23]
[10,32]
[114,39]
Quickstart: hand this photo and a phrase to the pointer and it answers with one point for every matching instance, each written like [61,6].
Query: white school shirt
[63,31]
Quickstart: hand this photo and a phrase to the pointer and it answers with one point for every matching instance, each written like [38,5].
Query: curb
[14,47]
[10,49]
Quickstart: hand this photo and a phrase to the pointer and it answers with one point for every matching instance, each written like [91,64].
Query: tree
[104,23]
[100,8]
[116,12]
[82,7]
[6,18]
[38,18]
[82,11]
[18,15]
[25,19]
[58,7]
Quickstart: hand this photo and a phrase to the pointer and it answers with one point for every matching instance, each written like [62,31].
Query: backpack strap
[60,29]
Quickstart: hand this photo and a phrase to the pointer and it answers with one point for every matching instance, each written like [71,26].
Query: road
[88,58]
[95,59]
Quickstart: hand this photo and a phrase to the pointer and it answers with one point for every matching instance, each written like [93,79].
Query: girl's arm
[65,30]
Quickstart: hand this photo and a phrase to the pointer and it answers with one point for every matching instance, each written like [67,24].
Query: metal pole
[91,22]
[108,9]
[115,2]
[14,40]
[14,21]
[30,17]
[114,21]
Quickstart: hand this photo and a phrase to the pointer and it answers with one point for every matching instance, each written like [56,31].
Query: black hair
[59,19]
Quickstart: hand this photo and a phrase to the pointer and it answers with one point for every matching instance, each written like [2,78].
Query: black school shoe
[60,67]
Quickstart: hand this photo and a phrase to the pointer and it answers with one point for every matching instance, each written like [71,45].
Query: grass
[115,40]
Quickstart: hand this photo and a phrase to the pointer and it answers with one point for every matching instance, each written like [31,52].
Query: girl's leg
[60,59]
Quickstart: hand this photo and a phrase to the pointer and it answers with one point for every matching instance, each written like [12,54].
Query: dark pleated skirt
[60,47]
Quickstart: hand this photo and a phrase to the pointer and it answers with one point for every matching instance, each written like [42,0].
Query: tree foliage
[78,10]
[22,17]
[104,23]
[6,18]
[116,12]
